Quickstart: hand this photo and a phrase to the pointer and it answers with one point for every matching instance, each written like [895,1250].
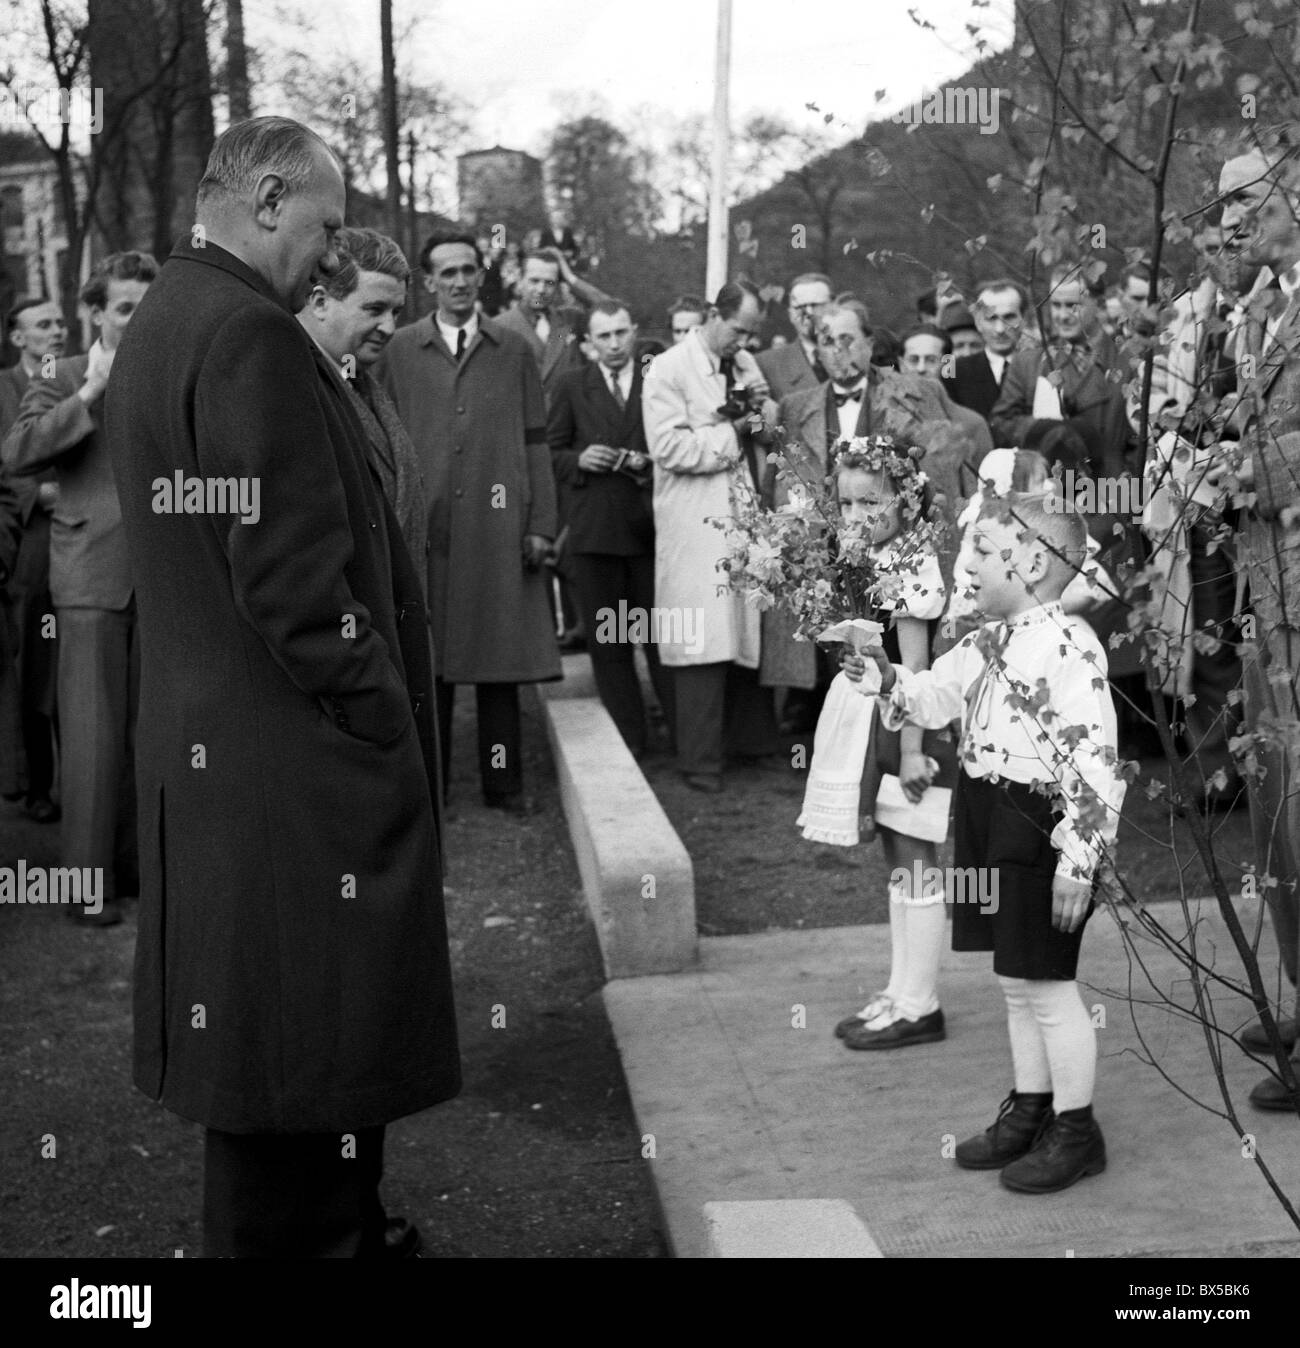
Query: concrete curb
[789,1228]
[637,877]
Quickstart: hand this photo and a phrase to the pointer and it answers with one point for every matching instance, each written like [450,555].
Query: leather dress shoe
[899,1034]
[1069,1149]
[708,782]
[1021,1117]
[1272,1095]
[402,1239]
[1253,1036]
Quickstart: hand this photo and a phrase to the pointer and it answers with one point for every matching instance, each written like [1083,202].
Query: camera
[632,463]
[741,402]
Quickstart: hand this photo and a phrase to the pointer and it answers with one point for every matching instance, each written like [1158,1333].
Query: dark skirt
[1004,832]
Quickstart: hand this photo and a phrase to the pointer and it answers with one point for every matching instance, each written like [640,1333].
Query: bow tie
[1070,353]
[852,396]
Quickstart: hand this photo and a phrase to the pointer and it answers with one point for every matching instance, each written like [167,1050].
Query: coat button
[461,411]
[373,524]
[416,703]
[460,491]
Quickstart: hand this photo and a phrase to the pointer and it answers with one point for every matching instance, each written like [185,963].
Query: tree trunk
[390,119]
[152,64]
[237,87]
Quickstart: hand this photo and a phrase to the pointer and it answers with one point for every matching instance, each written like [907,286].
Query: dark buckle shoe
[1067,1150]
[1254,1038]
[1272,1094]
[900,1034]
[878,1005]
[1020,1121]
[402,1239]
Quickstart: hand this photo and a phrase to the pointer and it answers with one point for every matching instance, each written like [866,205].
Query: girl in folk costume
[906,786]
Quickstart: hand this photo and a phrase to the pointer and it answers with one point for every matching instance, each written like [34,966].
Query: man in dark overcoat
[292,990]
[469,394]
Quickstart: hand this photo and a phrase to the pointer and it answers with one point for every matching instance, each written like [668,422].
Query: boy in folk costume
[1030,690]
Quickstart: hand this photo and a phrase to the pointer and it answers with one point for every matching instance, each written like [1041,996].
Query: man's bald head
[272,194]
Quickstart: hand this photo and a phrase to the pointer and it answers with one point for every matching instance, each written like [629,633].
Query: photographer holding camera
[704,404]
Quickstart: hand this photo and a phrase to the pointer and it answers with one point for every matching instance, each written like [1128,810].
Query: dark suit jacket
[901,405]
[555,357]
[786,369]
[1268,412]
[295,652]
[89,567]
[973,385]
[13,384]
[606,512]
[1090,398]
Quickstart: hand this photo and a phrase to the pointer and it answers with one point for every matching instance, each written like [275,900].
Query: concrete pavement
[743,1095]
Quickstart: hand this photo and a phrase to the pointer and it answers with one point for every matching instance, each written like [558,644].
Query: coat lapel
[1282,346]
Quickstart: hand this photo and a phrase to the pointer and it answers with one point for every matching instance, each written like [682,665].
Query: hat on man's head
[955,318]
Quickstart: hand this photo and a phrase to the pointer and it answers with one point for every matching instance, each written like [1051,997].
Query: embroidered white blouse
[1035,708]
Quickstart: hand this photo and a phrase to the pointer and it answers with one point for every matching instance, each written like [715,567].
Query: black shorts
[1004,831]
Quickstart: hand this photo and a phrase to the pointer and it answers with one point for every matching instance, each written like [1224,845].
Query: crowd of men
[294,719]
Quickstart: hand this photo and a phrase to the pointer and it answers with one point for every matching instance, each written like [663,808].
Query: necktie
[460,345]
[617,390]
[850,396]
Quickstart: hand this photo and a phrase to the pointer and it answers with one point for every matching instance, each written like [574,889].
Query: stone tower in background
[501,187]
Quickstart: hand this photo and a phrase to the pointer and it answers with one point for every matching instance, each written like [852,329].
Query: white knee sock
[897,943]
[1028,1055]
[927,928]
[1068,1039]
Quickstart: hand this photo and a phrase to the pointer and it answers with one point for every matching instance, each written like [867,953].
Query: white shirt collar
[1038,615]
[470,330]
[624,377]
[996,363]
[1290,280]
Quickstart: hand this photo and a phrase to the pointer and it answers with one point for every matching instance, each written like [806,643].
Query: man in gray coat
[470,395]
[293,992]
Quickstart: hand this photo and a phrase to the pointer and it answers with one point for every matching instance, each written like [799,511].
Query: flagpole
[716,273]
